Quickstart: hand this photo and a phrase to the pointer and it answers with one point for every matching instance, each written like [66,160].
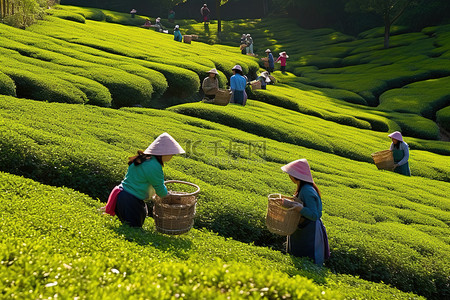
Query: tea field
[389,234]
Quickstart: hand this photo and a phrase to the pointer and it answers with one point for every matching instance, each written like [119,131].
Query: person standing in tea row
[310,239]
[400,152]
[177,34]
[238,82]
[282,59]
[204,11]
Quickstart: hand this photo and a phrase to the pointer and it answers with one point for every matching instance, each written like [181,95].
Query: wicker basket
[187,39]
[222,97]
[384,160]
[281,220]
[174,214]
[194,37]
[243,46]
[256,85]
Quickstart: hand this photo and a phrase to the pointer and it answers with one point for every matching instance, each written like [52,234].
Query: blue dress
[310,239]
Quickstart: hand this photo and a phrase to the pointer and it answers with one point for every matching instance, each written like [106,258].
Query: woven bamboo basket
[222,97]
[187,39]
[281,220]
[243,46]
[174,214]
[194,37]
[256,85]
[384,160]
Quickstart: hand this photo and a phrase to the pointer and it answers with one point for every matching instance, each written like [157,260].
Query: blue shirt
[271,62]
[139,178]
[238,82]
[312,204]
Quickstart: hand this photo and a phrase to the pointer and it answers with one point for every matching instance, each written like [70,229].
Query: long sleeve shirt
[210,86]
[177,36]
[403,146]
[271,62]
[312,204]
[238,82]
[282,60]
[139,179]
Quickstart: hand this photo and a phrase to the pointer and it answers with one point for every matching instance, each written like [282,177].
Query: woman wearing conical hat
[400,151]
[310,239]
[210,85]
[282,59]
[144,171]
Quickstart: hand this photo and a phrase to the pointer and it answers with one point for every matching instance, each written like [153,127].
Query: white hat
[164,145]
[267,51]
[158,19]
[237,67]
[177,26]
[214,71]
[265,74]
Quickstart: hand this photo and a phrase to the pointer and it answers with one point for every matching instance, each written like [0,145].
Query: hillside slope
[382,226]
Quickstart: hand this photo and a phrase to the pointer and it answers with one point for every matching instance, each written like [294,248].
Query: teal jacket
[312,204]
[177,35]
[139,178]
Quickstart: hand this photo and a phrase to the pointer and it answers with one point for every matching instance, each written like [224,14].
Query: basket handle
[185,182]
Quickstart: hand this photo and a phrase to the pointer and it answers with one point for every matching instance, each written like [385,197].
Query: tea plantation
[389,234]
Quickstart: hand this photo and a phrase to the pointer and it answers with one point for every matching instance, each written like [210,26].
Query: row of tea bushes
[62,247]
[100,52]
[332,60]
[86,148]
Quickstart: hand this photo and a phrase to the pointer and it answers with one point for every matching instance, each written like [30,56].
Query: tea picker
[145,170]
[396,158]
[298,217]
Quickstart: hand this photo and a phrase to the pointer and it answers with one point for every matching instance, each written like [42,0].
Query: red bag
[112,201]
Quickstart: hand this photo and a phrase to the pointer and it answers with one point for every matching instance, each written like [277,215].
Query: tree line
[22,13]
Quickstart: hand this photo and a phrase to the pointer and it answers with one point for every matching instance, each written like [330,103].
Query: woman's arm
[155,177]
[311,204]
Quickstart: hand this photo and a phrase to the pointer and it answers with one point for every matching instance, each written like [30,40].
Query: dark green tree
[219,3]
[390,10]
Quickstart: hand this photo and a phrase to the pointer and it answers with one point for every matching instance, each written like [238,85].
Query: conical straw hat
[396,135]
[299,169]
[164,145]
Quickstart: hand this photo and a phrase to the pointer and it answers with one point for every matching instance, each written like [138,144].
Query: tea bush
[7,86]
[406,98]
[170,67]
[382,226]
[332,60]
[67,15]
[88,255]
[443,118]
[86,148]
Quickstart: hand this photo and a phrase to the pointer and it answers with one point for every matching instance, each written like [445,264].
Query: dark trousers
[283,69]
[130,210]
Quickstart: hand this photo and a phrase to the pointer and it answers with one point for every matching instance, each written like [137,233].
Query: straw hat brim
[164,145]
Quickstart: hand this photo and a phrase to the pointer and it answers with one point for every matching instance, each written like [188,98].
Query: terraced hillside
[408,83]
[382,226]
